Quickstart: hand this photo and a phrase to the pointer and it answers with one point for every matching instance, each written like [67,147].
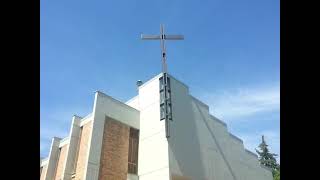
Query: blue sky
[230,59]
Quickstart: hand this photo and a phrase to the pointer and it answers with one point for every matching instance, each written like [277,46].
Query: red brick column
[114,154]
[83,149]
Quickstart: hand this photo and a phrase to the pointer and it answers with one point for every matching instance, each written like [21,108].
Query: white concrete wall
[74,137]
[134,102]
[132,177]
[52,158]
[205,154]
[44,161]
[153,159]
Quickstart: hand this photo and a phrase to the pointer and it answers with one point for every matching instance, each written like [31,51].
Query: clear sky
[230,59]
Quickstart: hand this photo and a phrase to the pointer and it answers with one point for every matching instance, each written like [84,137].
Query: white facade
[199,147]
[153,146]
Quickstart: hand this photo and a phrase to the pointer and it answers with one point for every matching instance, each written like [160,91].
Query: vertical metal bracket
[165,101]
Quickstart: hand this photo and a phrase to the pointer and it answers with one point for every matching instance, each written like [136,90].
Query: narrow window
[168,82]
[162,97]
[161,83]
[162,112]
[169,111]
[169,95]
[133,151]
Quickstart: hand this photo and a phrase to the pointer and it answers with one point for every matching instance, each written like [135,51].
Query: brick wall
[114,154]
[82,151]
[61,161]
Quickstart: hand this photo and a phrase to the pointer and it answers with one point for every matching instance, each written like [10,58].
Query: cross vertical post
[163,49]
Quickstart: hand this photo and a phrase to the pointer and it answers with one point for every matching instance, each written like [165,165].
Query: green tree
[268,159]
[276,175]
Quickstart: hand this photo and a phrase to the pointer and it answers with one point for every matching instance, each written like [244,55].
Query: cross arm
[174,37]
[150,37]
[166,37]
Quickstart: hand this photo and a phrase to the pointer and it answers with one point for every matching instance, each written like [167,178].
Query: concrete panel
[132,177]
[110,107]
[200,146]
[153,159]
[157,174]
[185,154]
[53,158]
[43,172]
[134,102]
[153,153]
[74,138]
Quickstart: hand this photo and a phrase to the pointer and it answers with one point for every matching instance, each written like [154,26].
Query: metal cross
[162,37]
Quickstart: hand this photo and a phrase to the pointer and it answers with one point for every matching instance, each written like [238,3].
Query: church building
[163,133]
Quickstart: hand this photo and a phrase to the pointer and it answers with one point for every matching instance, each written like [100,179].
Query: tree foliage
[268,159]
[276,175]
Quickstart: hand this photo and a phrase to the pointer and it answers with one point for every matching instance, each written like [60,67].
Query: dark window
[162,97]
[169,95]
[133,151]
[162,112]
[169,110]
[165,98]
[161,83]
[168,83]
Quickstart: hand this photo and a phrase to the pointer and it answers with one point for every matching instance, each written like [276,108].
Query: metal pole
[163,48]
